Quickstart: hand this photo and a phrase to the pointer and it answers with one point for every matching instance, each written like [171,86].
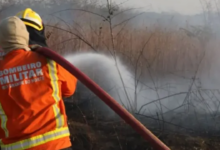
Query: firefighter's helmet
[31,18]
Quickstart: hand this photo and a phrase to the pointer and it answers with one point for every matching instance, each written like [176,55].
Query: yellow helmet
[31,18]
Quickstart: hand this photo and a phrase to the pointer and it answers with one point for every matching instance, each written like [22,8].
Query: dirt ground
[91,131]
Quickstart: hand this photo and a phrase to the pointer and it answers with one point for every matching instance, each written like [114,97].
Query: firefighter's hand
[34,47]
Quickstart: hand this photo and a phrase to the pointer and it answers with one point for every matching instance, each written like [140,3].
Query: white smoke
[166,99]
[113,77]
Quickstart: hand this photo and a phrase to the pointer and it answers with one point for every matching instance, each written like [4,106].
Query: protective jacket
[32,112]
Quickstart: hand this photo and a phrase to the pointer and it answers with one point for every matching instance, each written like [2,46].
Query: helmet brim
[33,25]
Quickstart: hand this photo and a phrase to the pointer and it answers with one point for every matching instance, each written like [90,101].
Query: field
[177,66]
[93,132]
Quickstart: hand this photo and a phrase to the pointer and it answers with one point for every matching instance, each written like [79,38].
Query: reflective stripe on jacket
[32,112]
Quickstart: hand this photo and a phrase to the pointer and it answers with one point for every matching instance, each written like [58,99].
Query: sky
[187,7]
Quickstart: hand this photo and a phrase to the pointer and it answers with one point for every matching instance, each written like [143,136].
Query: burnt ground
[90,130]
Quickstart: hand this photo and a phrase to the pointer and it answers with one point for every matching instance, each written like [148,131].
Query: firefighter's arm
[68,82]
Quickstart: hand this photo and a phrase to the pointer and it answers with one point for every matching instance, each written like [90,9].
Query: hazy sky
[181,6]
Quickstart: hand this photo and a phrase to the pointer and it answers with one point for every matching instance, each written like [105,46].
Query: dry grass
[97,133]
[156,48]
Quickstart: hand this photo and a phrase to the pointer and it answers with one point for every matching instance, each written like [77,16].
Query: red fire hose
[121,111]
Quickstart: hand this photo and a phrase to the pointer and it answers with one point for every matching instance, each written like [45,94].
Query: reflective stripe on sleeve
[37,140]
[54,79]
[4,120]
[59,117]
[54,83]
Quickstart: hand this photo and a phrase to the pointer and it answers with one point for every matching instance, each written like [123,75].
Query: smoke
[113,77]
[165,103]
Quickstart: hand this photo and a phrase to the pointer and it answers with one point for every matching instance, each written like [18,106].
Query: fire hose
[105,97]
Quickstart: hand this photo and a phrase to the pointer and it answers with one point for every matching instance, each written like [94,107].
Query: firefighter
[35,27]
[32,112]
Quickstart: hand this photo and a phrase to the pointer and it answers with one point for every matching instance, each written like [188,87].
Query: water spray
[105,97]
